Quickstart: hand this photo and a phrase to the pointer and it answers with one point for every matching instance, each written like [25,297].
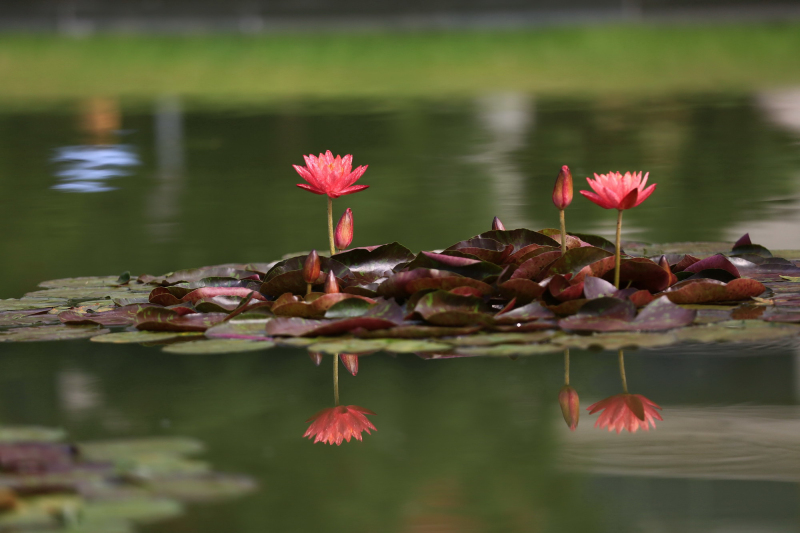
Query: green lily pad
[75,293]
[252,329]
[50,333]
[209,487]
[489,339]
[14,304]
[738,330]
[505,350]
[88,281]
[351,346]
[414,346]
[31,434]
[615,340]
[217,346]
[128,337]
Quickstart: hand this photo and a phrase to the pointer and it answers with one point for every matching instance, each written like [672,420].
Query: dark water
[463,444]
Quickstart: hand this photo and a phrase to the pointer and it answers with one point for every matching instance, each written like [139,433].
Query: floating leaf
[88,281]
[641,273]
[708,290]
[348,308]
[659,315]
[615,340]
[471,268]
[597,287]
[84,293]
[442,308]
[738,330]
[217,346]
[525,313]
[50,333]
[562,290]
[160,319]
[14,304]
[597,241]
[519,238]
[717,261]
[316,308]
[121,316]
[211,292]
[252,329]
[575,260]
[535,267]
[524,290]
[354,346]
[141,337]
[375,261]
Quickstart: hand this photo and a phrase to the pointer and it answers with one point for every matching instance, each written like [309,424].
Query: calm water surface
[103,186]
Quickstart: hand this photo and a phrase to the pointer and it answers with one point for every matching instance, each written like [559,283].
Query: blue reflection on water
[86,168]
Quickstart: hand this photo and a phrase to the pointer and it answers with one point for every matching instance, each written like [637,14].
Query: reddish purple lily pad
[121,316]
[659,315]
[210,292]
[562,290]
[314,309]
[526,313]
[160,319]
[442,308]
[535,267]
[520,238]
[717,261]
[524,290]
[641,273]
[701,291]
[375,262]
[464,266]
[575,260]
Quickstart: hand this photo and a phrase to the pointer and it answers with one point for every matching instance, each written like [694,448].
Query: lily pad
[470,268]
[576,260]
[216,346]
[700,291]
[50,333]
[88,281]
[141,337]
[348,308]
[159,319]
[519,238]
[443,308]
[375,261]
[717,261]
[659,315]
[14,304]
[252,329]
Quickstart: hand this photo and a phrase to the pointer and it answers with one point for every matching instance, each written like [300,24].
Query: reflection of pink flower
[326,175]
[339,423]
[615,191]
[626,411]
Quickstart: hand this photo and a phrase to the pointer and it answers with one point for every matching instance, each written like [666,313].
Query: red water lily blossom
[617,191]
[626,411]
[335,424]
[332,176]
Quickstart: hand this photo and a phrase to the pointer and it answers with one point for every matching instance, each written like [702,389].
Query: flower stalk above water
[333,177]
[617,191]
[562,197]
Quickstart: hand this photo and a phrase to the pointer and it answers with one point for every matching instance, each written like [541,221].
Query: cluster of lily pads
[511,289]
[103,486]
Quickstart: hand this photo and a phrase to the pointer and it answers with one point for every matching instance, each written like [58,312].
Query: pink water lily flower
[335,424]
[332,176]
[617,191]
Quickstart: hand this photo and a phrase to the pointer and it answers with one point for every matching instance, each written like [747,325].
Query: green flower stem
[617,250]
[336,378]
[621,371]
[330,225]
[308,289]
[563,231]
[566,364]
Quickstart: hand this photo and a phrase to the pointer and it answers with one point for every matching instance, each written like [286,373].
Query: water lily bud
[350,362]
[497,225]
[311,267]
[343,235]
[316,357]
[562,192]
[664,263]
[570,406]
[331,285]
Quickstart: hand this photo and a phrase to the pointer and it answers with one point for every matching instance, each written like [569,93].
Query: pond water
[475,444]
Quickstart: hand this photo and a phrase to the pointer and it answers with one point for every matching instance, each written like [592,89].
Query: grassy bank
[582,61]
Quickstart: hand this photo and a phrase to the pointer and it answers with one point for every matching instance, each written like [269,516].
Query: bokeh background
[158,135]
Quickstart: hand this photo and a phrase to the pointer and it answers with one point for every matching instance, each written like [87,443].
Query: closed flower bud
[350,362]
[316,357]
[562,192]
[497,225]
[343,235]
[331,285]
[570,406]
[311,267]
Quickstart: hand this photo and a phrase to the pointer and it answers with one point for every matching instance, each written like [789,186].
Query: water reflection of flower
[626,411]
[342,422]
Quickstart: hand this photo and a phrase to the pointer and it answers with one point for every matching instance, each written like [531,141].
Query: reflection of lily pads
[30,434]
[239,329]
[213,346]
[50,333]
